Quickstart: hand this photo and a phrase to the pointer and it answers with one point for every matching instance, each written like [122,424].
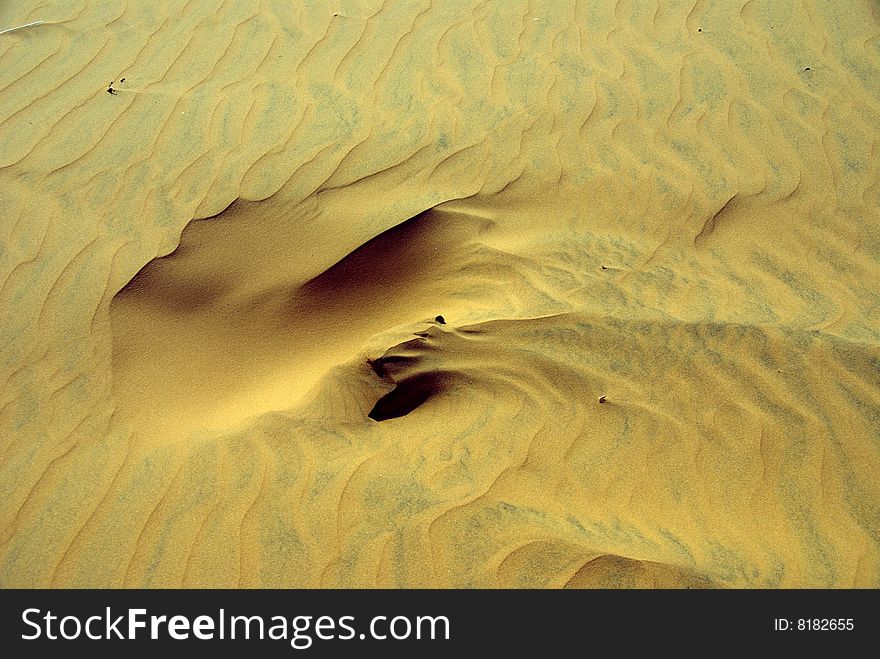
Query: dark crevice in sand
[409,394]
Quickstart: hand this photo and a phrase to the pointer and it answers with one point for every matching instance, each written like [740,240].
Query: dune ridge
[650,228]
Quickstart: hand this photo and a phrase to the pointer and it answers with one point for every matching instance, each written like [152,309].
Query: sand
[650,229]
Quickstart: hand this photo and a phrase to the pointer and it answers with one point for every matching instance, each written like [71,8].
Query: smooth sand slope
[651,229]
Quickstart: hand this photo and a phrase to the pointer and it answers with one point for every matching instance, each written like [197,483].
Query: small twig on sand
[13,29]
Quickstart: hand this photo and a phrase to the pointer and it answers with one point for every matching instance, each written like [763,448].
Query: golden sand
[651,229]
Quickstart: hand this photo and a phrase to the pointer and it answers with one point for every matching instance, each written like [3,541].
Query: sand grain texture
[219,357]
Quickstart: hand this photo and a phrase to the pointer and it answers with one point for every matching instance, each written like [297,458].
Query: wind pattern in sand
[651,229]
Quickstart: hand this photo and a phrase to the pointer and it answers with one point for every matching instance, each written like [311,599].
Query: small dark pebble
[122,80]
[602,399]
[441,320]
[807,69]
[699,29]
[604,267]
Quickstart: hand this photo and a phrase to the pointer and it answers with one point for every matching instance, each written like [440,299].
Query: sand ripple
[651,228]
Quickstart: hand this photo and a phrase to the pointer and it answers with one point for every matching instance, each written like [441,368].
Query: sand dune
[460,294]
